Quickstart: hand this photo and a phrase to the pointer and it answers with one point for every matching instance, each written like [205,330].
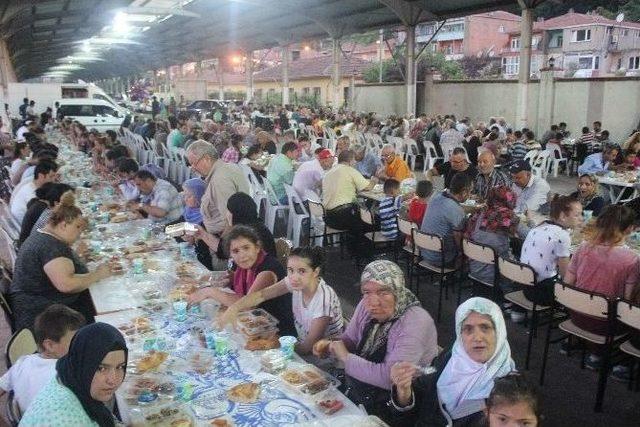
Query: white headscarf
[464,384]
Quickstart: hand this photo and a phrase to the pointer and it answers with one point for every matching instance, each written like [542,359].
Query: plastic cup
[210,340]
[146,233]
[286,345]
[587,215]
[138,266]
[180,310]
[222,342]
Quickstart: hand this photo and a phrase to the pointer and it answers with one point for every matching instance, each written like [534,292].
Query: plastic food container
[257,323]
[168,415]
[273,361]
[150,389]
[178,230]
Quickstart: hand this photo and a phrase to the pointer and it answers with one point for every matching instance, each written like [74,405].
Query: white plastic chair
[258,193]
[273,206]
[541,164]
[431,156]
[412,152]
[294,225]
[556,158]
[531,156]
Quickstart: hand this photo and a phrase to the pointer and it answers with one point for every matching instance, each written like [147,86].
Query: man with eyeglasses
[223,180]
[457,164]
[394,166]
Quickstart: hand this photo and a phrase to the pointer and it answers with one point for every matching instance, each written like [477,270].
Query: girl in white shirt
[21,151]
[316,307]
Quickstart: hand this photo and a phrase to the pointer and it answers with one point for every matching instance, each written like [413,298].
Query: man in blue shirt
[367,163]
[598,163]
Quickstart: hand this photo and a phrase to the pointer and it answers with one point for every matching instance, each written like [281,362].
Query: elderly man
[599,163]
[306,150]
[532,190]
[489,176]
[223,180]
[394,166]
[159,199]
[281,170]
[450,139]
[457,164]
[367,163]
[446,218]
[309,175]
[342,144]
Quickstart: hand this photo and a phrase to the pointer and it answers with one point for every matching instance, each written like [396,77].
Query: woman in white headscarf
[454,393]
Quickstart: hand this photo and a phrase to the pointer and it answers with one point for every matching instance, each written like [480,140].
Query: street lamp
[552,62]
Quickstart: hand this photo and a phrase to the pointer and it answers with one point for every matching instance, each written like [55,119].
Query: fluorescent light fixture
[86,46]
[120,23]
[66,67]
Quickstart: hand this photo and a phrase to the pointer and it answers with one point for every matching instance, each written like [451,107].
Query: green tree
[631,10]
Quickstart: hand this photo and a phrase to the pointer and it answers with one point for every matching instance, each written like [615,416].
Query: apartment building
[474,35]
[583,45]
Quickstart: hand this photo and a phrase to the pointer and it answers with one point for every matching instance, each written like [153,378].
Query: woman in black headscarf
[244,211]
[87,378]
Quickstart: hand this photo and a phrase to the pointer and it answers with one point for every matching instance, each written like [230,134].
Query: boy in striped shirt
[389,208]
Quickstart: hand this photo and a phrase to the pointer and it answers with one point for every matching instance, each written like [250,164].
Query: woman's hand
[339,350]
[199,295]
[402,375]
[230,316]
[321,348]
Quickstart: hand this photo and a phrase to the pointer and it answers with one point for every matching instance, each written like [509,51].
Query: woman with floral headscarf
[388,326]
[492,226]
[454,393]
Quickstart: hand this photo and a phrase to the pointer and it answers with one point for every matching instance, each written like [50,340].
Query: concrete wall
[615,101]
[384,99]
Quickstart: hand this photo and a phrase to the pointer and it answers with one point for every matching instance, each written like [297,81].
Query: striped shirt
[388,213]
[325,303]
[517,151]
[589,140]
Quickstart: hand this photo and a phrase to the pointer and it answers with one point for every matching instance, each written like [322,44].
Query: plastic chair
[629,314]
[484,254]
[296,218]
[273,206]
[322,234]
[283,249]
[20,344]
[431,156]
[556,158]
[412,152]
[406,227]
[541,164]
[7,251]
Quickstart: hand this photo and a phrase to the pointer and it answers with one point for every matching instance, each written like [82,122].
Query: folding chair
[477,252]
[297,214]
[378,241]
[523,274]
[433,242]
[406,227]
[629,314]
[317,222]
[594,305]
[20,344]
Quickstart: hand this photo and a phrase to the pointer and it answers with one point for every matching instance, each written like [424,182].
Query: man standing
[532,190]
[23,108]
[394,167]
[309,175]
[159,199]
[155,107]
[489,176]
[457,164]
[31,109]
[450,139]
[223,180]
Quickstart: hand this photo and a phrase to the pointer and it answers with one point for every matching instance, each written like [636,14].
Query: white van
[93,113]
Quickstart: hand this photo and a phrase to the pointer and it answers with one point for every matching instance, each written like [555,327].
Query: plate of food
[329,404]
[248,393]
[262,343]
[294,377]
[222,422]
[151,361]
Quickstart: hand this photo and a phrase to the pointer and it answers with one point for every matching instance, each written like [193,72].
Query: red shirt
[417,208]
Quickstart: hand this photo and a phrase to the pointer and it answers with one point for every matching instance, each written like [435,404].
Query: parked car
[203,108]
[93,113]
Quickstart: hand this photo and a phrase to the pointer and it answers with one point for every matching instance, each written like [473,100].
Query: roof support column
[220,79]
[336,77]
[248,69]
[285,74]
[410,73]
[526,28]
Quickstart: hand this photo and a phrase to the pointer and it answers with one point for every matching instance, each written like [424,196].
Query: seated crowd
[388,350]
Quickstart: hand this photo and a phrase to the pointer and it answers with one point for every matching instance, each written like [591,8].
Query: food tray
[307,379]
[148,390]
[256,322]
[170,415]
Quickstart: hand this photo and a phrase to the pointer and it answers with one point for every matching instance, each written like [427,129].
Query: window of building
[589,62]
[316,92]
[625,32]
[634,63]
[609,30]
[581,35]
[619,63]
[515,43]
[501,29]
[511,65]
[258,93]
[295,55]
[305,91]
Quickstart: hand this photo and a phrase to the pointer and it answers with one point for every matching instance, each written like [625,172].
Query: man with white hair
[367,163]
[450,139]
[394,166]
[223,180]
[488,175]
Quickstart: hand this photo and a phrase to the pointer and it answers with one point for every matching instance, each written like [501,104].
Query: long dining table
[179,372]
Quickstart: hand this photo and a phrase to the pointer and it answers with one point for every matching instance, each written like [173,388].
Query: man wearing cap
[309,175]
[532,190]
[367,163]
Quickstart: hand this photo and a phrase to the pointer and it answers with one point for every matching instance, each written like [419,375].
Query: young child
[389,207]
[53,330]
[512,402]
[418,205]
[316,306]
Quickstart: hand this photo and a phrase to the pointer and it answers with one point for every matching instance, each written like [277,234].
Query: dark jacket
[426,410]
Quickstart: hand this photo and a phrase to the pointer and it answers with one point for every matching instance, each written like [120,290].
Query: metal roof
[41,34]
